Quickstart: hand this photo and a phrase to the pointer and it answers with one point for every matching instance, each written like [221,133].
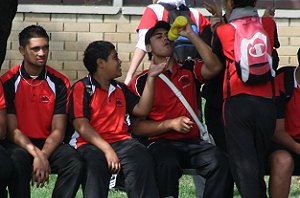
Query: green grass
[187,189]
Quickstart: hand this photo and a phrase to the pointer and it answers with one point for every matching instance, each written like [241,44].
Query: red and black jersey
[288,104]
[35,100]
[225,45]
[2,98]
[156,12]
[166,104]
[106,110]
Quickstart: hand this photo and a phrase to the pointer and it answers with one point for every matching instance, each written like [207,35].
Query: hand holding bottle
[179,22]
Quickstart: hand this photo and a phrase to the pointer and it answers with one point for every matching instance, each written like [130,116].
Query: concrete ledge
[69,9]
[81,9]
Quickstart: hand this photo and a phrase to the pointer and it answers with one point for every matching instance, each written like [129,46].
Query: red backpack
[252,51]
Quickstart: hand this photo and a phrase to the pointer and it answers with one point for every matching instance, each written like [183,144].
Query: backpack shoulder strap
[202,128]
[121,85]
[89,88]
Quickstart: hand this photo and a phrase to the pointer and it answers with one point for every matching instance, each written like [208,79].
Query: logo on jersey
[184,81]
[45,99]
[119,102]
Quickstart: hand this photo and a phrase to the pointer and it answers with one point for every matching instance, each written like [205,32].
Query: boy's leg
[248,137]
[68,165]
[19,185]
[138,169]
[281,170]
[199,185]
[96,178]
[6,168]
[167,168]
[210,162]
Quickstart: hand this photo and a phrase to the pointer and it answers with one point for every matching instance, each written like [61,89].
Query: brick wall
[71,33]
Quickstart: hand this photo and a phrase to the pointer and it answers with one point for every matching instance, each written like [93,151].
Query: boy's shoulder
[137,84]
[225,28]
[53,72]
[10,73]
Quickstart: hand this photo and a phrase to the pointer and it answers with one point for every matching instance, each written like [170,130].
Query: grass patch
[187,189]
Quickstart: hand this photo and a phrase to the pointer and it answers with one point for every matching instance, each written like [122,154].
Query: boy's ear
[22,50]
[148,48]
[100,62]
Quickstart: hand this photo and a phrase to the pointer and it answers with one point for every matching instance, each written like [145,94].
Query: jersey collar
[25,75]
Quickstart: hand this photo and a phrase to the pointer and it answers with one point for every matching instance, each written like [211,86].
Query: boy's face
[160,44]
[36,52]
[112,67]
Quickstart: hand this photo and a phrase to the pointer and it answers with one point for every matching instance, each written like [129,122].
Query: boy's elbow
[210,72]
[137,126]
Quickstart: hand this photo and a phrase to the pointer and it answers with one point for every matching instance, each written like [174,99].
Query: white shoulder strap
[201,127]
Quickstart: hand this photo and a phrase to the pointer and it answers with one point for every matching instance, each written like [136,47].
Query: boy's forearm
[89,134]
[57,134]
[17,137]
[143,127]
[143,108]
[52,142]
[205,51]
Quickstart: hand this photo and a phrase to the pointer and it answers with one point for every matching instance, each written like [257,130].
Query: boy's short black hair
[32,31]
[243,3]
[95,50]
[159,24]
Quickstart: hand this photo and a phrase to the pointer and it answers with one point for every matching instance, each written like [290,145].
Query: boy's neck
[158,60]
[33,70]
[103,82]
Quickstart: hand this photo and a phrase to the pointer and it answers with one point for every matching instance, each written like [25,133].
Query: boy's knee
[21,159]
[75,162]
[281,162]
[220,160]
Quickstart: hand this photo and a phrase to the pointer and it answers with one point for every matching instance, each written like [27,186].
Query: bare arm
[282,137]
[88,133]
[213,8]
[145,127]
[17,137]
[145,104]
[41,167]
[269,12]
[3,122]
[137,58]
[212,65]
[57,134]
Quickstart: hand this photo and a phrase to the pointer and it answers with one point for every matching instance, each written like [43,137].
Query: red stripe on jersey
[150,18]
[2,98]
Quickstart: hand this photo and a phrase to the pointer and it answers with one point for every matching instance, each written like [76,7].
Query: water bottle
[179,22]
